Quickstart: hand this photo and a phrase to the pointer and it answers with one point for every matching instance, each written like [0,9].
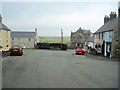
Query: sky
[50,17]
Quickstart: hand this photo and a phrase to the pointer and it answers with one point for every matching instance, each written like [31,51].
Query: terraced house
[106,38]
[5,37]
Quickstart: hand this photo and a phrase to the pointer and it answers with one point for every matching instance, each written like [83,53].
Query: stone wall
[23,42]
[78,38]
[116,41]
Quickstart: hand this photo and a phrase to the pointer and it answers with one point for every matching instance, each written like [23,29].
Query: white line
[5,58]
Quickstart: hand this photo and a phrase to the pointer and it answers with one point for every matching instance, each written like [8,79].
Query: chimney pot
[106,19]
[113,15]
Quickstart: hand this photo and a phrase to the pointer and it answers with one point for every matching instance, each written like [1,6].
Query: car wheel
[10,54]
[22,54]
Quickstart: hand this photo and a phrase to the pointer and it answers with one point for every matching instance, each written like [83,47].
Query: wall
[97,41]
[0,40]
[23,41]
[118,53]
[79,37]
[115,43]
[6,40]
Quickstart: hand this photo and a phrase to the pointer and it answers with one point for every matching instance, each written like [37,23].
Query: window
[13,39]
[15,47]
[99,35]
[102,36]
[6,41]
[29,39]
[6,34]
[7,45]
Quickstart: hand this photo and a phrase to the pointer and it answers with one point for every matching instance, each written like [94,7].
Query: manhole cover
[78,63]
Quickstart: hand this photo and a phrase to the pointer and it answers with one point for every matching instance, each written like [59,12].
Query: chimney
[36,31]
[113,15]
[106,19]
[0,19]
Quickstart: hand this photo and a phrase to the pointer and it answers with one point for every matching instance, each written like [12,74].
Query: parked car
[84,50]
[16,50]
[80,51]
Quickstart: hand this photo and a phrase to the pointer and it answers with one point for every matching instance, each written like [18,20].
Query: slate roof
[4,27]
[1,47]
[110,25]
[86,31]
[18,34]
[90,39]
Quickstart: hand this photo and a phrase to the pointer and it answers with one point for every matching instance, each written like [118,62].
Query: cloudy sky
[51,17]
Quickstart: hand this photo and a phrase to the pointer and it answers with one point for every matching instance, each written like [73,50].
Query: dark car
[16,50]
[80,51]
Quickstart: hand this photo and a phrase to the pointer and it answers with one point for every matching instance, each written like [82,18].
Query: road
[58,69]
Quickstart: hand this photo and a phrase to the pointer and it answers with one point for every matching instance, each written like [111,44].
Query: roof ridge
[4,27]
[108,26]
[21,32]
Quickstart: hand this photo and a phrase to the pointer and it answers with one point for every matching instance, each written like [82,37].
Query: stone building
[106,38]
[118,34]
[24,39]
[5,35]
[79,37]
[89,43]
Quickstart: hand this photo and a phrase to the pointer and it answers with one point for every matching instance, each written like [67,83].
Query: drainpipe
[111,51]
[105,54]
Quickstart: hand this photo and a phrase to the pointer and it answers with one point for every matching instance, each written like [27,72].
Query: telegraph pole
[61,36]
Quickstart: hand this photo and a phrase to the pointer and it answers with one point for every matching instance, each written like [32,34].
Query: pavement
[100,57]
[58,69]
[4,55]
[0,73]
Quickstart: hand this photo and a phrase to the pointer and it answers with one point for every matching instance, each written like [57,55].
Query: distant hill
[54,39]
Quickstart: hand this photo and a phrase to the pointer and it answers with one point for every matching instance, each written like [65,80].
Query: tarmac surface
[58,69]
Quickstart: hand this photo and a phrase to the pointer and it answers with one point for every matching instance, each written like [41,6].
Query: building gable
[4,27]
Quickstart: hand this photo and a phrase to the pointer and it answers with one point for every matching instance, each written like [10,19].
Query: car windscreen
[15,47]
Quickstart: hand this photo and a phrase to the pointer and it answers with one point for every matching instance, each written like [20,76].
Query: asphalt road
[58,69]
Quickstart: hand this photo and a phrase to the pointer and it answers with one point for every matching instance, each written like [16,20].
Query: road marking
[4,59]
